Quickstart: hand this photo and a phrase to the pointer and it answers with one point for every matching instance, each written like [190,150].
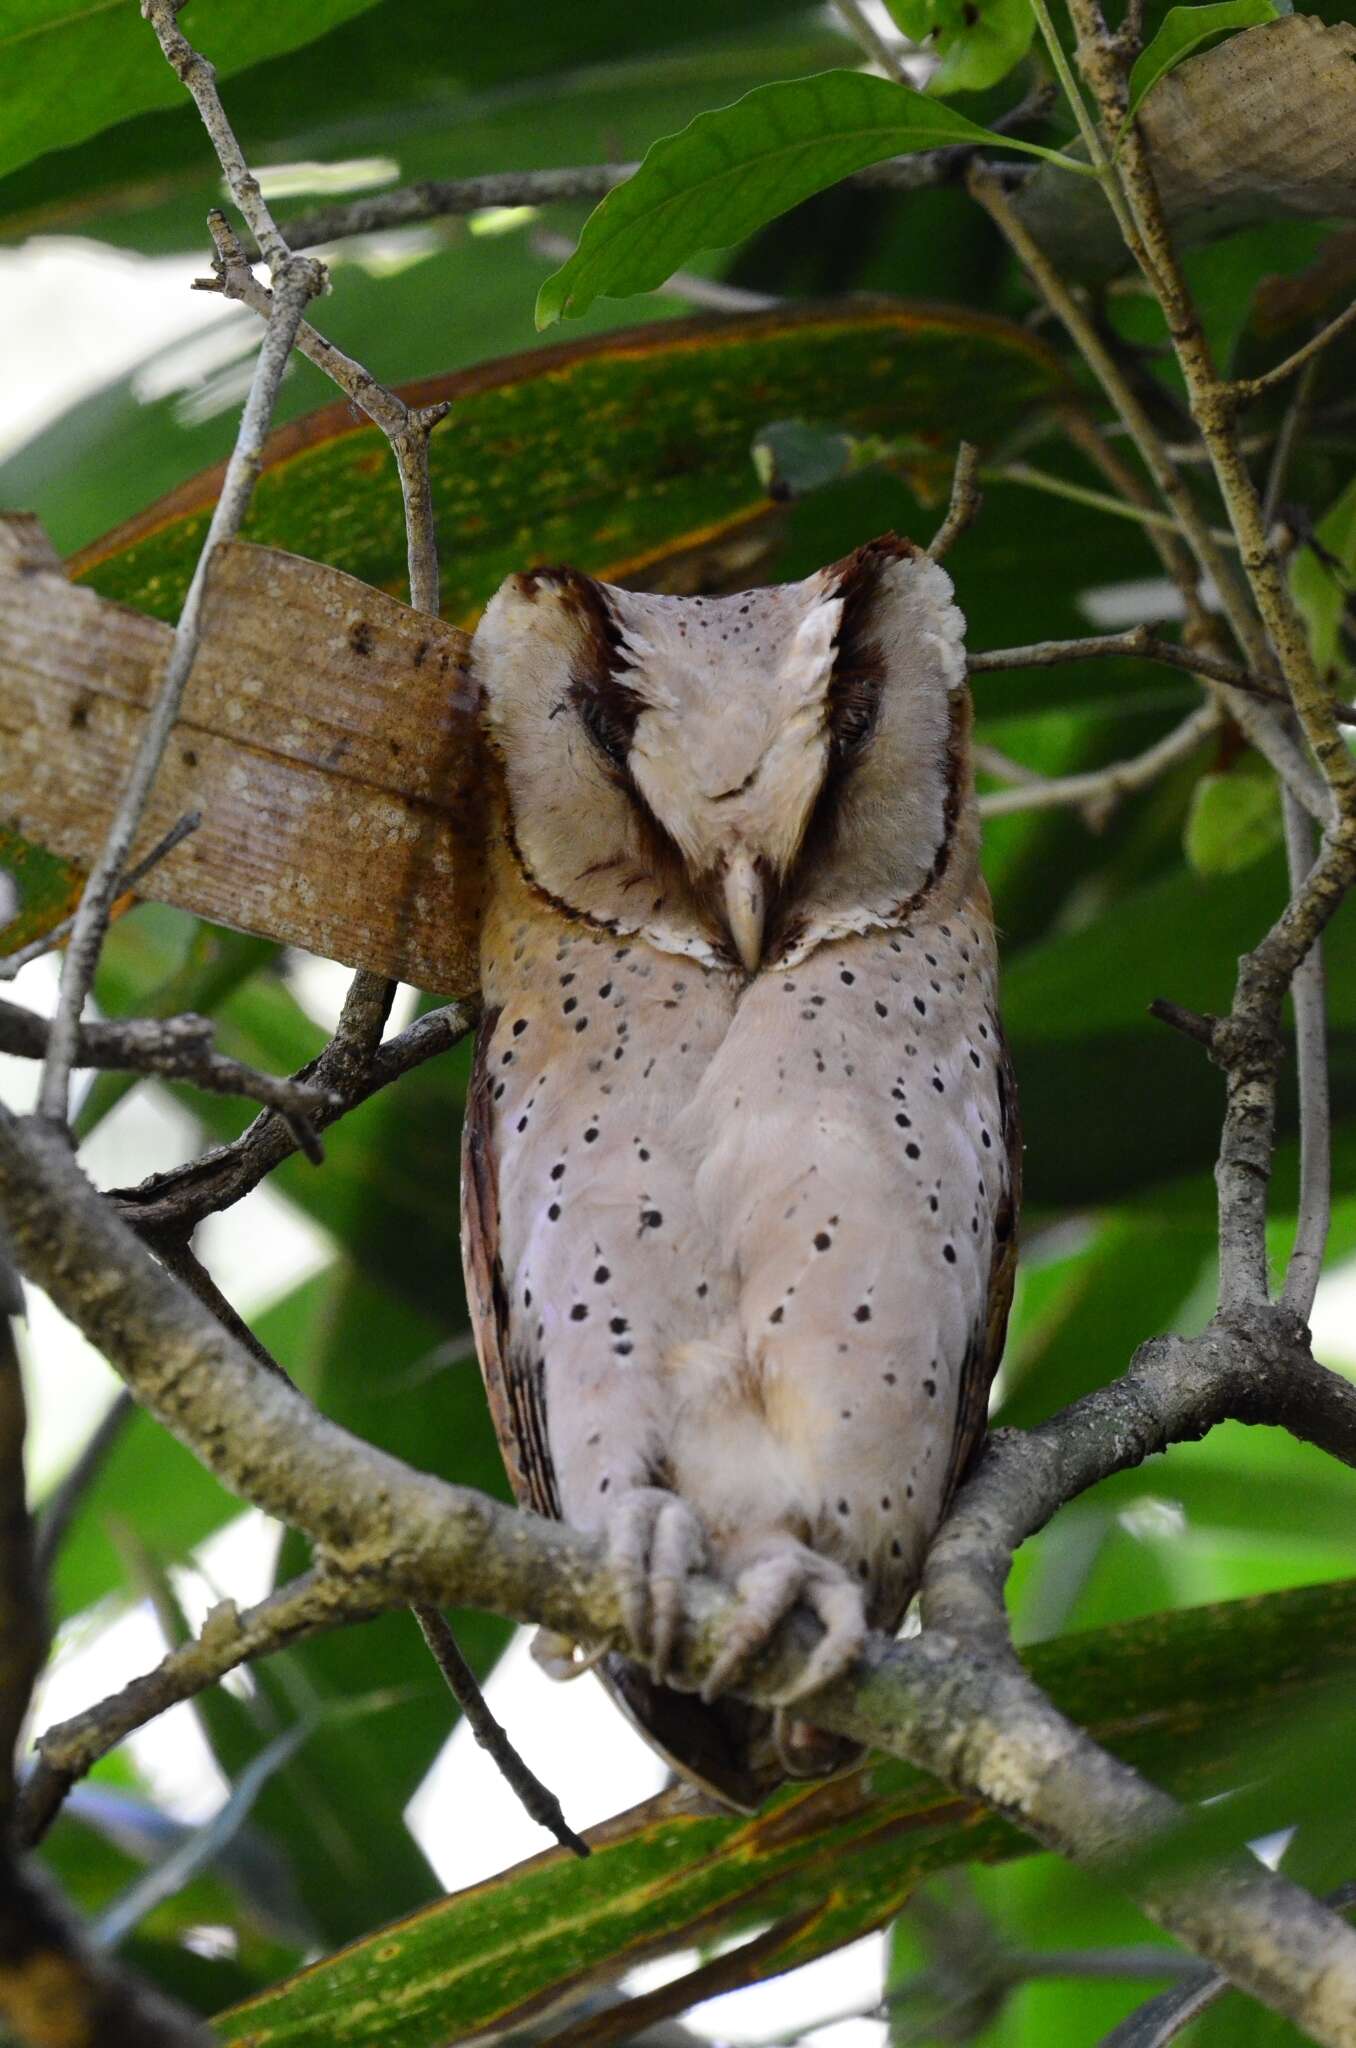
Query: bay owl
[741,1153]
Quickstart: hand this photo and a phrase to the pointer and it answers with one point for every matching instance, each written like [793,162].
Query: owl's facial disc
[739,778]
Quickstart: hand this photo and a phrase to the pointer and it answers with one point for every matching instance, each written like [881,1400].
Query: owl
[741,1164]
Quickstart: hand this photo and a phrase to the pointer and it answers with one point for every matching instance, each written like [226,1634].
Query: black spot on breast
[822,1240]
[862,1312]
[360,637]
[578,1313]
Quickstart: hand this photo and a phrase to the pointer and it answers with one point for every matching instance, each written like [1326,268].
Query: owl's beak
[745,907]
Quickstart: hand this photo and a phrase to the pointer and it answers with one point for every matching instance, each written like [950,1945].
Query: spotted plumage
[742,1158]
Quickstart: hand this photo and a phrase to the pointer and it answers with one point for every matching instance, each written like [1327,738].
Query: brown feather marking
[513,1385]
[986,1348]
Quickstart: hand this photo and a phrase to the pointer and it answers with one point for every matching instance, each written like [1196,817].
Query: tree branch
[1309,994]
[307,1606]
[175,1049]
[1265,731]
[969,1718]
[1101,789]
[1244,390]
[345,1073]
[1144,642]
[536,1799]
[964,507]
[299,282]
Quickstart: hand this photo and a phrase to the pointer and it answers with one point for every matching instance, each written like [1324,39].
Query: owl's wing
[725,1746]
[513,1384]
[986,1347]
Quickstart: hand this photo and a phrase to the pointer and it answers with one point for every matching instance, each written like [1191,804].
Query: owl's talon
[767,1590]
[654,1541]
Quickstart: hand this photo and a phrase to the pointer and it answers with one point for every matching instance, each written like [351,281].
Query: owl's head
[739,778]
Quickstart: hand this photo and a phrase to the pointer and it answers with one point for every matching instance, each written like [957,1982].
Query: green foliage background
[1121,1118]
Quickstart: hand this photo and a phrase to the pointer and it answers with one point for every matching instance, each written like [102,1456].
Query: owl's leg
[654,1541]
[782,1574]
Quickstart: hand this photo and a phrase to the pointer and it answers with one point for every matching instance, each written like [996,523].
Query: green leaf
[584,452]
[1322,581]
[978,41]
[1188,29]
[1234,819]
[69,68]
[1173,1695]
[583,82]
[731,170]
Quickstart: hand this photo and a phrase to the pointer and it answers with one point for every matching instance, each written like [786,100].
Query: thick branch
[969,1719]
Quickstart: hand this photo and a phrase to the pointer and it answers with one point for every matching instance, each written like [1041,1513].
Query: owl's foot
[781,1577]
[654,1542]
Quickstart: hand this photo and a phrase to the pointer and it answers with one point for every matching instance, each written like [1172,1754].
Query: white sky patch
[310,179]
[78,315]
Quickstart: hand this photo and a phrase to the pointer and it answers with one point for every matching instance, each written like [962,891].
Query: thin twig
[448,198]
[1102,788]
[1148,645]
[176,1049]
[230,1637]
[23,1627]
[300,282]
[11,965]
[195,73]
[1264,731]
[1268,611]
[1243,390]
[874,47]
[1101,501]
[536,1799]
[1309,995]
[966,500]
[174,1202]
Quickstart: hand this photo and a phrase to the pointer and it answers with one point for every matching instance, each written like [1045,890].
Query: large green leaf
[67,70]
[731,170]
[1174,1695]
[614,454]
[519,88]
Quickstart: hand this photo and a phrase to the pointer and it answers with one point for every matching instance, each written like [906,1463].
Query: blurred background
[122,382]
